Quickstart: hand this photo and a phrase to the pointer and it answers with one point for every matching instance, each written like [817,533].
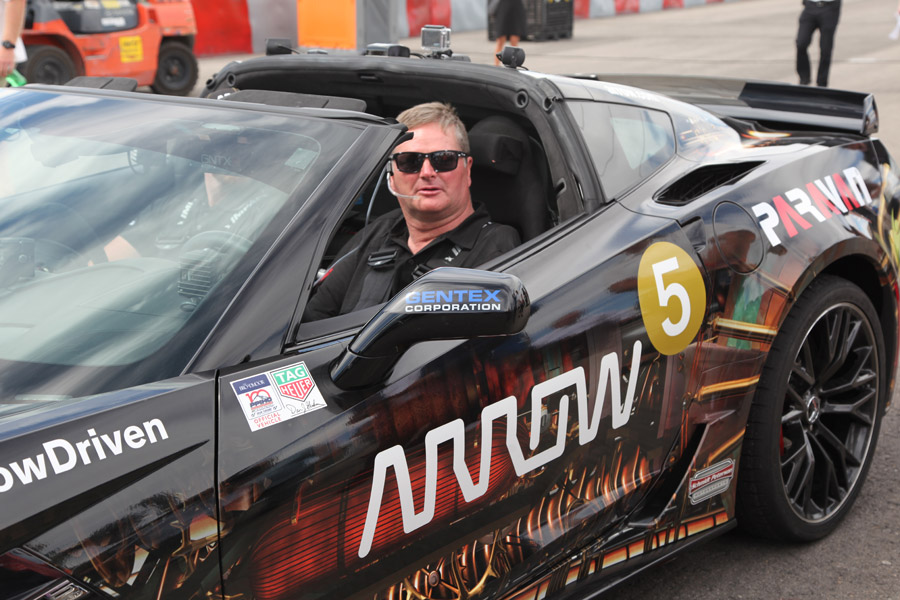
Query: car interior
[511,173]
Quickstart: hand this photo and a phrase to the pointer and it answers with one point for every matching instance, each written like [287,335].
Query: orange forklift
[151,41]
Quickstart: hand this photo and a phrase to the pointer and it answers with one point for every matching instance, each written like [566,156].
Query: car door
[470,464]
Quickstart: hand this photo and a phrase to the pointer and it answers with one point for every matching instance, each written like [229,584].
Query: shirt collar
[464,235]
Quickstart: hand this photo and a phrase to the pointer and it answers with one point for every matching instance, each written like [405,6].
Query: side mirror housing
[444,304]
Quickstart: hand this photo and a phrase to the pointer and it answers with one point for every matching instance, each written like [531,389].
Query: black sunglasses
[441,160]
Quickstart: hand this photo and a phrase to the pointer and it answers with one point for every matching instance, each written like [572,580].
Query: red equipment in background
[150,41]
[224,27]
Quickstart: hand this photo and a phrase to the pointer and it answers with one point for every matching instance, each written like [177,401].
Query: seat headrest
[509,175]
[499,144]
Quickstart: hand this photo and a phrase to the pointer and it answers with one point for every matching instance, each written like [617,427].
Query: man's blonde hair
[440,113]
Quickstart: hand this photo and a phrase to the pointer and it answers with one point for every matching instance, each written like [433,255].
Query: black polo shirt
[377,263]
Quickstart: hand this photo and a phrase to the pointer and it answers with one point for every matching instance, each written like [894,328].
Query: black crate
[545,19]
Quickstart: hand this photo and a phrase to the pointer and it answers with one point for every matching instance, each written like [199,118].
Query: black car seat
[509,175]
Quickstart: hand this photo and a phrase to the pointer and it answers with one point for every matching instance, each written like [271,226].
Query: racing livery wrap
[698,331]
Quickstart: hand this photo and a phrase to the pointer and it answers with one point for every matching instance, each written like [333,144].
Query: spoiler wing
[809,107]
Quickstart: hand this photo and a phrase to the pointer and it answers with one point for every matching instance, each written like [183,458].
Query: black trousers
[824,17]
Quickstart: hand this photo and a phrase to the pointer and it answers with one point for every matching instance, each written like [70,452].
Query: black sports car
[698,330]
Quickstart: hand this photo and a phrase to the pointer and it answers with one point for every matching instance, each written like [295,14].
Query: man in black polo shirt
[436,224]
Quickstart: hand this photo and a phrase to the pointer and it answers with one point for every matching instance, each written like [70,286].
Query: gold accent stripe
[727,386]
[744,330]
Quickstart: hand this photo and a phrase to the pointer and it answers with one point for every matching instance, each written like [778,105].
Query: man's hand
[7,61]
[10,30]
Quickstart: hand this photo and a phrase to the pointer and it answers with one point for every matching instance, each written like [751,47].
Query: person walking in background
[895,33]
[509,23]
[12,51]
[822,15]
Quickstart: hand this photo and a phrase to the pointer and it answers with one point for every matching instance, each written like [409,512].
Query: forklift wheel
[48,64]
[177,71]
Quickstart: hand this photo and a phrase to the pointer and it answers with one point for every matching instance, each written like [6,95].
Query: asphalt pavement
[750,39]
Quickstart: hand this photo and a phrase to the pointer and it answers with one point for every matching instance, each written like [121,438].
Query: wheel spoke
[803,495]
[844,456]
[805,366]
[853,409]
[795,397]
[797,470]
[843,331]
[862,375]
[836,332]
[792,417]
[833,325]
[832,488]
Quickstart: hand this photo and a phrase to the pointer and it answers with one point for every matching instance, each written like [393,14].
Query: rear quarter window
[627,144]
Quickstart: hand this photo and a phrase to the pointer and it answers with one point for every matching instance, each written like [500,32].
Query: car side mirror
[444,304]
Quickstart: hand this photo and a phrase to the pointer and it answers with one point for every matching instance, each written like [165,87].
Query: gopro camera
[436,39]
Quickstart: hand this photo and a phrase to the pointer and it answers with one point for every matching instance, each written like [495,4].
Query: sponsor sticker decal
[60,455]
[801,208]
[476,300]
[711,481]
[672,296]
[276,396]
[503,413]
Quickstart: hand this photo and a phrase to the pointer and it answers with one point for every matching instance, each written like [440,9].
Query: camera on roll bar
[436,40]
[435,44]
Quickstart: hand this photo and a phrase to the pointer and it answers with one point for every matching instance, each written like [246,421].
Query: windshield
[122,219]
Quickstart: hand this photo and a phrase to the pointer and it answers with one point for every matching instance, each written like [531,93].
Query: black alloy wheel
[176,71]
[48,64]
[814,422]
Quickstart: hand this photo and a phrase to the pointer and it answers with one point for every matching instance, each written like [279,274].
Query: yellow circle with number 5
[672,296]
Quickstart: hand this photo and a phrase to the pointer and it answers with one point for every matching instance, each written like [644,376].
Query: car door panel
[347,497]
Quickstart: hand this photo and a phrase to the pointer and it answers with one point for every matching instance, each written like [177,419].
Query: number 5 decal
[672,296]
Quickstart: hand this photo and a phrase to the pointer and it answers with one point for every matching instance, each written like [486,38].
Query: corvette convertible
[698,331]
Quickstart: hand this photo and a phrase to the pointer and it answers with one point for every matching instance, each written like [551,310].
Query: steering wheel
[57,221]
[50,255]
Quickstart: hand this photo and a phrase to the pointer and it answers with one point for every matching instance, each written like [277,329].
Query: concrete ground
[752,39]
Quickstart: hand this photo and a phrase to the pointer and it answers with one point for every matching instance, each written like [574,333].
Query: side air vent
[703,180]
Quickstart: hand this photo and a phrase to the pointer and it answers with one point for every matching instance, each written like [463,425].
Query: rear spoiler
[777,103]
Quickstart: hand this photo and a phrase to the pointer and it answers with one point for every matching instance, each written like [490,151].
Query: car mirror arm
[353,372]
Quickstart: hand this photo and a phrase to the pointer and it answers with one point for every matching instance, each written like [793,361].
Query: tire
[814,421]
[176,70]
[48,64]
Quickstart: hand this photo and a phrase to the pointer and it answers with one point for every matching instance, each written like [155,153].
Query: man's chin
[427,204]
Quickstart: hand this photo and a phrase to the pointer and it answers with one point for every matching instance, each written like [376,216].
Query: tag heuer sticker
[294,382]
[711,481]
[279,395]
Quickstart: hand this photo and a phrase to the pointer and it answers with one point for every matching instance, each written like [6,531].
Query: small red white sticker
[711,481]
[276,396]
